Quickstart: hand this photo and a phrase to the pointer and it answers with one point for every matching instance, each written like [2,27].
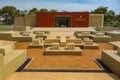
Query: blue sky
[60,5]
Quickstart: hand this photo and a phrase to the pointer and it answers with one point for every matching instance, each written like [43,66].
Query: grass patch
[6,27]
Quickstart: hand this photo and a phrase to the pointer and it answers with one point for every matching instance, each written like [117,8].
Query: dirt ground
[84,61]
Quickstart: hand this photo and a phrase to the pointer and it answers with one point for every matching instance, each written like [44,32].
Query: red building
[62,19]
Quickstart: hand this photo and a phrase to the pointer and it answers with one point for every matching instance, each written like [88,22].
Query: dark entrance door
[62,21]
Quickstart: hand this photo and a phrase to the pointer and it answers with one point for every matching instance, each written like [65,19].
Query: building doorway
[63,21]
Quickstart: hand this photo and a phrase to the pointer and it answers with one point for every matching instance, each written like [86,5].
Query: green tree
[100,10]
[0,15]
[8,13]
[118,17]
[110,17]
[117,21]
[33,11]
[19,13]
[0,11]
[43,10]
[53,10]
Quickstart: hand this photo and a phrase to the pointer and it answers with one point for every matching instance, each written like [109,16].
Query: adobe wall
[47,19]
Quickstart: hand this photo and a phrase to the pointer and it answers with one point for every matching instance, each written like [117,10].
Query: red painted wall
[47,19]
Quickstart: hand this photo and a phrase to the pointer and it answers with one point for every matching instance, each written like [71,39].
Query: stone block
[89,42]
[37,41]
[85,33]
[70,46]
[14,34]
[118,50]
[55,45]
[6,49]
[26,34]
[67,37]
[58,37]
[40,33]
[100,34]
[85,39]
[77,41]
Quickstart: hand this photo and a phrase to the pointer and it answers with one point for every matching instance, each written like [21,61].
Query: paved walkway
[61,76]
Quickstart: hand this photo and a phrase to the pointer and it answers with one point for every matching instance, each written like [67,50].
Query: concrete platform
[101,38]
[63,29]
[115,44]
[63,51]
[115,35]
[112,59]
[94,46]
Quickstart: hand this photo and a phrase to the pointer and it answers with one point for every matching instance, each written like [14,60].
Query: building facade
[61,19]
